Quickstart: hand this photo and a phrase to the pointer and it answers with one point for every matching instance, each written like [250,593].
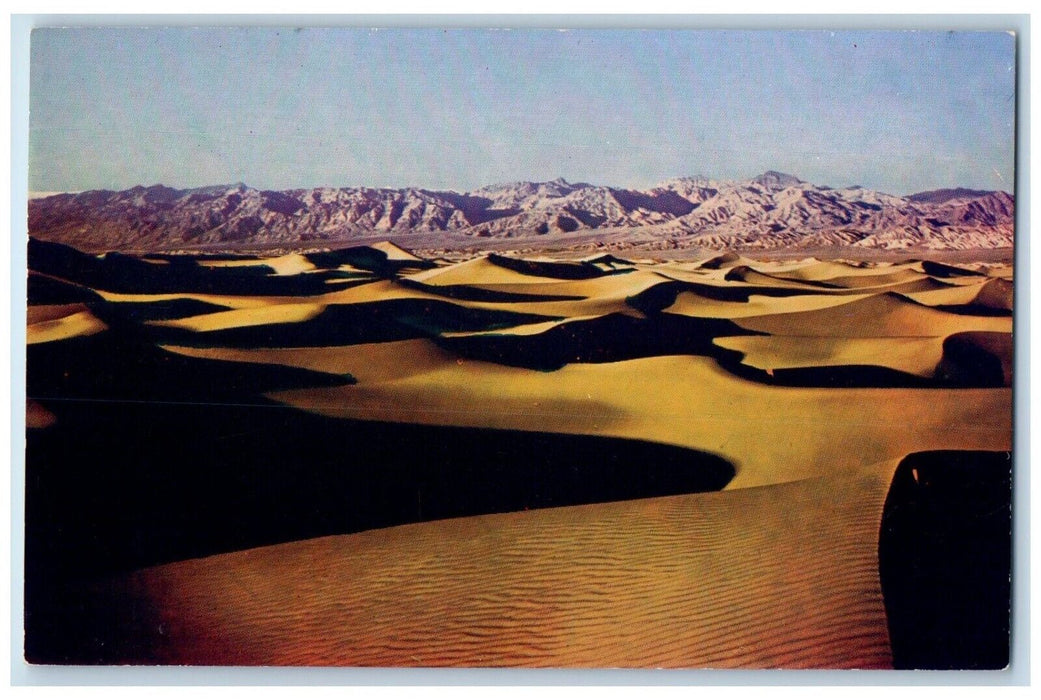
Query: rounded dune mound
[916,356]
[691,303]
[939,269]
[607,287]
[977,359]
[783,576]
[825,271]
[881,315]
[242,318]
[940,294]
[366,362]
[39,313]
[290,264]
[996,294]
[749,275]
[80,323]
[876,280]
[479,271]
[395,252]
[723,261]
[598,339]
[608,262]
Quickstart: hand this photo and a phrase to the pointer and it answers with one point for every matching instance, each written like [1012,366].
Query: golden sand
[777,577]
[780,569]
[65,327]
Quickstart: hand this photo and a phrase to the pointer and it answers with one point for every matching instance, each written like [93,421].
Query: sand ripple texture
[783,576]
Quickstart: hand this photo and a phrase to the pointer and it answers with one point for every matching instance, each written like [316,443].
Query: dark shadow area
[663,295]
[112,487]
[118,364]
[346,324]
[366,258]
[945,560]
[720,261]
[609,338]
[976,358]
[742,272]
[464,292]
[115,486]
[158,310]
[938,269]
[973,310]
[610,260]
[665,201]
[556,270]
[41,289]
[975,369]
[116,272]
[833,376]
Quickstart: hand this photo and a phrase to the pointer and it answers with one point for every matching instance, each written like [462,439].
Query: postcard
[585,348]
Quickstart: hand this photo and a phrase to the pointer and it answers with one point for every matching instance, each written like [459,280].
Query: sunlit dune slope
[783,576]
[291,264]
[771,433]
[69,326]
[883,315]
[918,356]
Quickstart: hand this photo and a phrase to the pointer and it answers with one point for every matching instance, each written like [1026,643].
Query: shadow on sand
[945,559]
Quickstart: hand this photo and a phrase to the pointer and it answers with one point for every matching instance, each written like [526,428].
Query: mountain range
[772,210]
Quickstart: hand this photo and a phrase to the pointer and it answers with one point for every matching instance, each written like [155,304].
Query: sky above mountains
[278,108]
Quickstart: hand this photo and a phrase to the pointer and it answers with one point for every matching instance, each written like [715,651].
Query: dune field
[365,457]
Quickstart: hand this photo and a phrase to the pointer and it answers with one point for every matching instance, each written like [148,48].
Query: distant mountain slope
[771,210]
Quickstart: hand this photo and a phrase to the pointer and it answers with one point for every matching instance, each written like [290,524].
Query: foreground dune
[778,577]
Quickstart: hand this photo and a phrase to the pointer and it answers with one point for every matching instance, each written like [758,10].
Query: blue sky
[277,108]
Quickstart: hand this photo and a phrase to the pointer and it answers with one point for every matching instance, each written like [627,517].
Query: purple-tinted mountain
[770,211]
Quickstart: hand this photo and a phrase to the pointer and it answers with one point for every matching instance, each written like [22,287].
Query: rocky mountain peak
[776,180]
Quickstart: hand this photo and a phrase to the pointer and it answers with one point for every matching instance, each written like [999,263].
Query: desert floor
[364,457]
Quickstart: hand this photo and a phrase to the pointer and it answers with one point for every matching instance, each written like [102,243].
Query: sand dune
[918,356]
[291,264]
[830,271]
[806,381]
[394,252]
[52,312]
[996,294]
[884,315]
[780,577]
[693,304]
[367,362]
[76,324]
[240,318]
[772,434]
[477,271]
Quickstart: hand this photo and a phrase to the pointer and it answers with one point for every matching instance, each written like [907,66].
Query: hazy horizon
[895,111]
[39,194]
